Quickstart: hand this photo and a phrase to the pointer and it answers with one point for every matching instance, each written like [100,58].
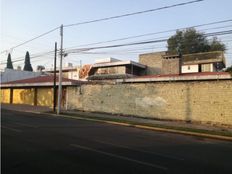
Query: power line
[131,14]
[141,43]
[103,19]
[115,46]
[41,35]
[154,33]
[37,55]
[129,51]
[15,40]
[218,33]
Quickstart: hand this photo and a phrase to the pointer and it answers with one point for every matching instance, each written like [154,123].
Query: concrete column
[11,95]
[35,96]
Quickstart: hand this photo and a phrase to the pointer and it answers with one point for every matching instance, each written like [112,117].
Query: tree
[215,45]
[27,63]
[9,64]
[190,41]
[229,70]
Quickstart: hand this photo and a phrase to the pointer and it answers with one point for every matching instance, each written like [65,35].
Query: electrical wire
[131,14]
[155,33]
[33,56]
[23,43]
[37,55]
[141,43]
[102,19]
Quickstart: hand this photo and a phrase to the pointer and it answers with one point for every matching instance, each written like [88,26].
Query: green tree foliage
[229,70]
[27,63]
[9,64]
[190,41]
[216,45]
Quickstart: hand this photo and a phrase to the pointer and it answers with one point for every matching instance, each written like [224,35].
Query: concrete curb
[169,130]
[219,137]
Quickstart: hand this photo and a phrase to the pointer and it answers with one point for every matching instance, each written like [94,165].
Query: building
[36,91]
[12,75]
[111,68]
[203,62]
[72,72]
[163,63]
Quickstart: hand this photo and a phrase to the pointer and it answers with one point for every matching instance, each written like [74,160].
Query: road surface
[40,144]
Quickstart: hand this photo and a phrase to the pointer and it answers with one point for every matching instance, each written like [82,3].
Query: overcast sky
[22,20]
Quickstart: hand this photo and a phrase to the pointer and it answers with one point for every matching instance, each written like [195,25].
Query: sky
[22,20]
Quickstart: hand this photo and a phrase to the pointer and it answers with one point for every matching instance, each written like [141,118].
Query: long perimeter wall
[200,101]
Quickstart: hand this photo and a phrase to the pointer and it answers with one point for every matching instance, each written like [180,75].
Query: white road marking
[120,157]
[12,129]
[139,150]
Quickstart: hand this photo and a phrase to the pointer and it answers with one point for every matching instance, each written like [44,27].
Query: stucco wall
[45,97]
[189,68]
[27,96]
[23,96]
[5,96]
[202,101]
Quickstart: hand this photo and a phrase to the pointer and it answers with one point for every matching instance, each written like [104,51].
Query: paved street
[38,144]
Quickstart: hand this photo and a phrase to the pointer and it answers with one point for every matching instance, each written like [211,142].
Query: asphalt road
[40,144]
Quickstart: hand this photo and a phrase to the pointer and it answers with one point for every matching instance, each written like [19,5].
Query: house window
[206,67]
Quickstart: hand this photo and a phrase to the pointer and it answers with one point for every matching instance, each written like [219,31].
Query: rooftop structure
[44,80]
[114,69]
[11,75]
[162,63]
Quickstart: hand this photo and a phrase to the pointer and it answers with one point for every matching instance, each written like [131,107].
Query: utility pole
[54,80]
[60,71]
[180,61]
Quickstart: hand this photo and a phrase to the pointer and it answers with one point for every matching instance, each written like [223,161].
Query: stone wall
[200,101]
[153,62]
[156,64]
[170,66]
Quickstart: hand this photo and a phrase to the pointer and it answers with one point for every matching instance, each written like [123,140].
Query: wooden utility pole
[60,71]
[54,80]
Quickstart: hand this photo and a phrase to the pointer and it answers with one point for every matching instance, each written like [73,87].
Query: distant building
[12,75]
[111,68]
[153,61]
[36,91]
[162,63]
[68,71]
[203,62]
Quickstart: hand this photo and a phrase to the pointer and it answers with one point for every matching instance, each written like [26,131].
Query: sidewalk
[139,122]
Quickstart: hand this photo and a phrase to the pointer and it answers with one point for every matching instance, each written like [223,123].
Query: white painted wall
[189,68]
[73,75]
